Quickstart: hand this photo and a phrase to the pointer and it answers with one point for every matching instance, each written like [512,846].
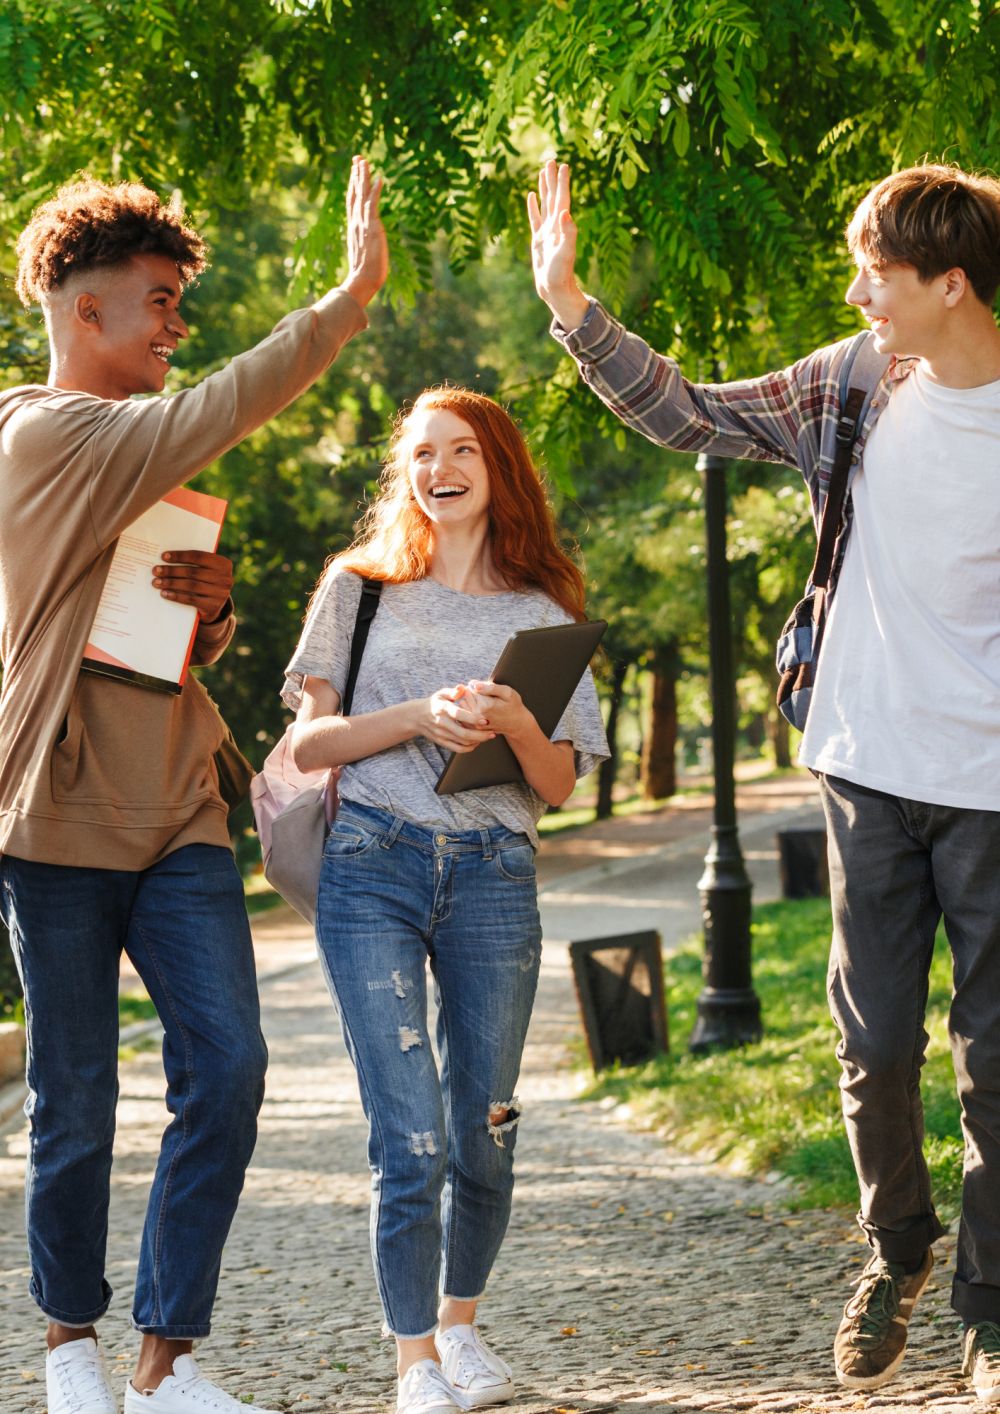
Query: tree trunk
[659,747]
[609,769]
[777,732]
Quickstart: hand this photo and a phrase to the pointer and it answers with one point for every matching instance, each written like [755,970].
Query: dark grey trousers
[897,866]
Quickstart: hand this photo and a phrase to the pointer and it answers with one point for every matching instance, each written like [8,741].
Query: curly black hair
[88,224]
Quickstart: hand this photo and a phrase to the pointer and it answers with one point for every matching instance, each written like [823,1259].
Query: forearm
[212,639]
[548,766]
[755,418]
[334,741]
[142,450]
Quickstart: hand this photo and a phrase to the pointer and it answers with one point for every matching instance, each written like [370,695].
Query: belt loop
[393,831]
[484,835]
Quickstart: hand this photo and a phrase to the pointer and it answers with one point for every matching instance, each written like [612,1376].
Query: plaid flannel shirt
[788,417]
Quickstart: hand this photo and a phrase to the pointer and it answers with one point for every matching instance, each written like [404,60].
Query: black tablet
[545,666]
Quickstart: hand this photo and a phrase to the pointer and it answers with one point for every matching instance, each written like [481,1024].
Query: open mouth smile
[162,352]
[445,493]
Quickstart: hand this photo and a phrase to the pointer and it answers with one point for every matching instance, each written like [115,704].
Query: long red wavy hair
[396,541]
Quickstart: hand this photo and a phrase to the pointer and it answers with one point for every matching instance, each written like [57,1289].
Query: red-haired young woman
[463,539]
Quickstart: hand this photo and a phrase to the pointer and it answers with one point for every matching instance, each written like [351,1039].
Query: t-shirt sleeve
[583,725]
[324,646]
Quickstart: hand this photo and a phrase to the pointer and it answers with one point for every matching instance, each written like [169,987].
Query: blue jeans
[183,924]
[391,896]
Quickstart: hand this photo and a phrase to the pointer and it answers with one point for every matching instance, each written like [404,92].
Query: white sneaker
[187,1391]
[476,1374]
[424,1390]
[76,1379]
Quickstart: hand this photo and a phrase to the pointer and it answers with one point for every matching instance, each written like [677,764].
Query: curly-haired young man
[904,723]
[112,828]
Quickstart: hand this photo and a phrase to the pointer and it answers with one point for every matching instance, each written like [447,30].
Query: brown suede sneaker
[871,1341]
[981,1360]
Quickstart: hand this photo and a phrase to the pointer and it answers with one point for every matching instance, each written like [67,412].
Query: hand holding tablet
[544,666]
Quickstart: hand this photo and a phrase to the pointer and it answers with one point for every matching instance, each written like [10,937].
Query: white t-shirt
[907,694]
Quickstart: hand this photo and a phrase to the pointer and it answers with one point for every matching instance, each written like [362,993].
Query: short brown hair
[933,217]
[88,224]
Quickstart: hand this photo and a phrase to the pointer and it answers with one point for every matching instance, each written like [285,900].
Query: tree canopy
[732,136]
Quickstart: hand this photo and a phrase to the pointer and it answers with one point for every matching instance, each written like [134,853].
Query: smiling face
[908,315]
[446,469]
[131,323]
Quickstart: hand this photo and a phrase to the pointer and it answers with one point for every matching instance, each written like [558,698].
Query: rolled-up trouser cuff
[72,1320]
[903,1246]
[975,1303]
[168,1332]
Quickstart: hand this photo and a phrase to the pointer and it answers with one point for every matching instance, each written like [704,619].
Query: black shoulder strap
[367,608]
[860,375]
[848,426]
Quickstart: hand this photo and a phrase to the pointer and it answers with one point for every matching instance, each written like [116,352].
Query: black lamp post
[728,1007]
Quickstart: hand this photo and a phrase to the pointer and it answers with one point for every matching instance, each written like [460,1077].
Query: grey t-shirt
[425,637]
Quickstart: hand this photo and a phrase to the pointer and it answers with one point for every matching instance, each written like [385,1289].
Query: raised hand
[553,246]
[367,249]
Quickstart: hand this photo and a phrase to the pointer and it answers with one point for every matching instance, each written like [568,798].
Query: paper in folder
[545,666]
[137,635]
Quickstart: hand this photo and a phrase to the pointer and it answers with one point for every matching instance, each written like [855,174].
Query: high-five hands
[553,246]
[367,249]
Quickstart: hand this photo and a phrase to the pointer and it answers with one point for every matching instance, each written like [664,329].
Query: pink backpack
[294,809]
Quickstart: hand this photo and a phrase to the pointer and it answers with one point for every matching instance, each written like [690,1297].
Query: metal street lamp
[728,1007]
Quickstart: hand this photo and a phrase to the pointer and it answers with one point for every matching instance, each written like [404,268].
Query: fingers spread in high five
[196,577]
[367,249]
[553,246]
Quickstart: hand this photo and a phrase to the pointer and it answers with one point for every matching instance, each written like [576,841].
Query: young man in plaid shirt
[904,722]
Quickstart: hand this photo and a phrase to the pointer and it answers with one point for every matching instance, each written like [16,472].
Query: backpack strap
[371,589]
[860,374]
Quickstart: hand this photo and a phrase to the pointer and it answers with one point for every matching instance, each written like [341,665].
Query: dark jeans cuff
[975,1303]
[908,1245]
[73,1319]
[171,1332]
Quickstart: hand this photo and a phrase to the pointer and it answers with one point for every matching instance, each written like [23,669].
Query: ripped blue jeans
[392,896]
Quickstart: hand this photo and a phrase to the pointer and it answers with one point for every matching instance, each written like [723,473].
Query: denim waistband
[435,839]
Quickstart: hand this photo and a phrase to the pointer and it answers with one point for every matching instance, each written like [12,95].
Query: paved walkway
[633,1278]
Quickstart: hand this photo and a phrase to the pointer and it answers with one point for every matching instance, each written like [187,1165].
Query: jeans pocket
[516,863]
[348,838]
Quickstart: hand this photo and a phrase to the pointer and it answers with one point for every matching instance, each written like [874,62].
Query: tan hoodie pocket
[130,751]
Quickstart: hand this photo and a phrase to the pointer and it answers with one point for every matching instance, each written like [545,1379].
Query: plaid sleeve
[761,419]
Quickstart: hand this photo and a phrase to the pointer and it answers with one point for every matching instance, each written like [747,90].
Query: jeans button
[440,839]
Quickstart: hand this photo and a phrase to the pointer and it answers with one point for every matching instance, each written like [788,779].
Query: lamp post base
[727,1018]
[728,1008]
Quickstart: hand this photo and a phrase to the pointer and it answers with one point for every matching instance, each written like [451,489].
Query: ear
[87,310]
[955,282]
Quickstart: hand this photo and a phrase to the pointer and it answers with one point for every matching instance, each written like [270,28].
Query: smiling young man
[113,830]
[904,724]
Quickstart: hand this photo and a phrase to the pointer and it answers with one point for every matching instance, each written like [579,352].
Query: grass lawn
[775,1106]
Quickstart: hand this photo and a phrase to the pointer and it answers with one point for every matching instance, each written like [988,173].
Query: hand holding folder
[138,635]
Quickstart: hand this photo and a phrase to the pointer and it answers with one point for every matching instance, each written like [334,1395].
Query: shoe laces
[473,1359]
[82,1380]
[987,1343]
[424,1380]
[875,1303]
[201,1389]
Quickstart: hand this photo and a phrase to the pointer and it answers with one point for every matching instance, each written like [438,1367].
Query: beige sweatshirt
[96,772]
